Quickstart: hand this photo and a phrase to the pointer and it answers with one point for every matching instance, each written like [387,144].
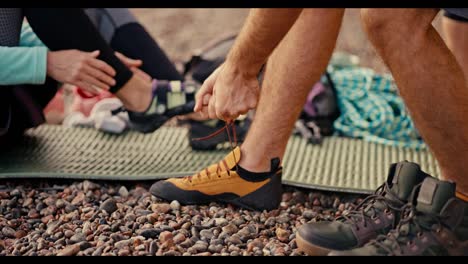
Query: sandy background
[180,31]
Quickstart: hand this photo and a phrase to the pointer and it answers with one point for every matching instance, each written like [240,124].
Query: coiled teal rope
[371,108]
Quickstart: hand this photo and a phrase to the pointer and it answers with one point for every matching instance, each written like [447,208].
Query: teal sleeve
[23,65]
[29,38]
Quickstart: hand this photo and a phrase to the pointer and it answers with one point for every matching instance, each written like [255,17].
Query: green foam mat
[339,164]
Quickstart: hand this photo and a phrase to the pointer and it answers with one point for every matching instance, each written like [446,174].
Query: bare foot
[136,94]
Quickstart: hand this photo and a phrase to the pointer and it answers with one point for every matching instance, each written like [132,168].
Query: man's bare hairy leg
[430,81]
[456,33]
[295,65]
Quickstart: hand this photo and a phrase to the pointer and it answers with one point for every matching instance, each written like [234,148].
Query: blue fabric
[371,108]
[25,64]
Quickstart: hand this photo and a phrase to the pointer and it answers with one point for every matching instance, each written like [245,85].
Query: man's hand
[228,93]
[233,88]
[80,68]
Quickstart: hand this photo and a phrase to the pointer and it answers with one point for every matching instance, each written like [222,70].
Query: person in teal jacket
[30,62]
[26,63]
[120,29]
[78,54]
[30,74]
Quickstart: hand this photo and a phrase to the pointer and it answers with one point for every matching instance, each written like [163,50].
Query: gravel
[101,218]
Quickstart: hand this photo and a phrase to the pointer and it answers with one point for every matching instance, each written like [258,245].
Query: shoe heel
[268,197]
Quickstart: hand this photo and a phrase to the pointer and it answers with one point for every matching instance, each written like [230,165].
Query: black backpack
[205,60]
[319,112]
[310,126]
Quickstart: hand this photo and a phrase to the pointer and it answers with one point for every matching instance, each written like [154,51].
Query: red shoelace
[230,127]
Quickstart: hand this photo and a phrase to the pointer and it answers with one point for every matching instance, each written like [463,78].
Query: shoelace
[360,213]
[400,236]
[228,128]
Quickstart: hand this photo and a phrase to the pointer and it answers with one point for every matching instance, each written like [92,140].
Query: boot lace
[367,210]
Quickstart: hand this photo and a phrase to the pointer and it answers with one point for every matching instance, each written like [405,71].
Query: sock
[170,94]
[462,196]
[258,176]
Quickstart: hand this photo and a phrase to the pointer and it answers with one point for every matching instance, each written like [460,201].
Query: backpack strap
[197,55]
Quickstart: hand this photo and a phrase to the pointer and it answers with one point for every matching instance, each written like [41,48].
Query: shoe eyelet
[386,211]
[420,234]
[409,243]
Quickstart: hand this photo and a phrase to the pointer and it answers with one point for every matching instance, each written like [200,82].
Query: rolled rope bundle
[371,108]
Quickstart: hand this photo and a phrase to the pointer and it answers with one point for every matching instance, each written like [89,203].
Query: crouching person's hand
[80,68]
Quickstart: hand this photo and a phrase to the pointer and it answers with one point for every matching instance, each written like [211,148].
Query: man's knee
[386,26]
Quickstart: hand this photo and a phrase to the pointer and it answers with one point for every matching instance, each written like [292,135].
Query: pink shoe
[55,110]
[84,102]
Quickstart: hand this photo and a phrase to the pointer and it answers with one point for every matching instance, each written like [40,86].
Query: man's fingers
[193,116]
[206,88]
[204,113]
[204,107]
[206,99]
[200,100]
[212,108]
[252,103]
[222,112]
